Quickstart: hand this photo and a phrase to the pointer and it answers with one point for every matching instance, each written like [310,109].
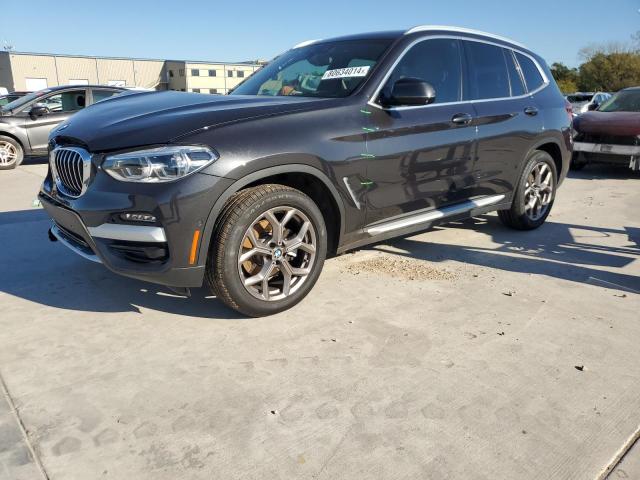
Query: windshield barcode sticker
[346,73]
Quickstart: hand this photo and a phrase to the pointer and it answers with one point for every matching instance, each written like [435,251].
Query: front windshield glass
[325,70]
[625,101]
[16,104]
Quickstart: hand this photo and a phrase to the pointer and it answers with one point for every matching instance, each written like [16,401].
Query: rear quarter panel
[556,121]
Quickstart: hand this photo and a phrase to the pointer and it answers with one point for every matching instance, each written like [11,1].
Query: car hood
[162,117]
[620,124]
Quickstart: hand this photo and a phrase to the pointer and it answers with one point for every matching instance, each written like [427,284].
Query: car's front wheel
[268,250]
[11,153]
[534,195]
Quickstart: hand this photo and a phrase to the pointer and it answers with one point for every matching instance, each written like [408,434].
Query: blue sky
[244,30]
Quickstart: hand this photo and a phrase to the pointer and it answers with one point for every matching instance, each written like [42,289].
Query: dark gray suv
[25,123]
[334,145]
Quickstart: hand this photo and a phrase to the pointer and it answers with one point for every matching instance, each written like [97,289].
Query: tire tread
[227,220]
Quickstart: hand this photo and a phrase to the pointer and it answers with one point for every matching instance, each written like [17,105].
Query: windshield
[326,70]
[16,104]
[625,101]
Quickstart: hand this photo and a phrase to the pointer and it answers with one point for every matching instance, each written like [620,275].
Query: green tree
[567,78]
[610,71]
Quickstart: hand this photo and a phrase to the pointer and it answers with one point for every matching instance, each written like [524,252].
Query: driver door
[421,157]
[60,106]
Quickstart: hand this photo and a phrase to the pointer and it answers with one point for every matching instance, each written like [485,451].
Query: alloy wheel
[8,153]
[538,193]
[277,253]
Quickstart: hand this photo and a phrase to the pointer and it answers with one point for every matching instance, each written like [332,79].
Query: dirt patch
[405,268]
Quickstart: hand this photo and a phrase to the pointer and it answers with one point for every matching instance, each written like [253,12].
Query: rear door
[60,106]
[507,118]
[422,157]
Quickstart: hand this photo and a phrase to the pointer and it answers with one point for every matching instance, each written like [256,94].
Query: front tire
[534,195]
[268,249]
[11,153]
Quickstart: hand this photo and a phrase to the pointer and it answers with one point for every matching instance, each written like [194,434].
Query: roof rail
[306,43]
[425,28]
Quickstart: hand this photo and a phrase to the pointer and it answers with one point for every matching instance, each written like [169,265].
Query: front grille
[71,168]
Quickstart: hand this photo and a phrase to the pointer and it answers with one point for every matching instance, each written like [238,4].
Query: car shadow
[44,272]
[565,251]
[35,160]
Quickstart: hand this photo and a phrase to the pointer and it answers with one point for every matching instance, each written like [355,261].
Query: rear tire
[267,251]
[576,163]
[534,195]
[11,153]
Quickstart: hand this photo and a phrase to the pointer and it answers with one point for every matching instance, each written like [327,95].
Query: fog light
[138,217]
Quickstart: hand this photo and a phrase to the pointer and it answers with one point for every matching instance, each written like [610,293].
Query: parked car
[10,97]
[610,134]
[582,102]
[26,122]
[334,145]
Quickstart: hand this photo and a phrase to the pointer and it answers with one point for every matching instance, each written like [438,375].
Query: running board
[432,215]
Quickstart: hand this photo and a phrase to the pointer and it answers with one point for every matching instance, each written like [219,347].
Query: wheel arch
[553,147]
[4,133]
[293,175]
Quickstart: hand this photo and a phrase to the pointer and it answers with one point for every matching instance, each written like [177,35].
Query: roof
[395,34]
[447,28]
[385,35]
[64,87]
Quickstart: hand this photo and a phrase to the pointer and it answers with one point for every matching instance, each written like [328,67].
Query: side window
[530,71]
[515,79]
[64,102]
[487,72]
[99,95]
[435,61]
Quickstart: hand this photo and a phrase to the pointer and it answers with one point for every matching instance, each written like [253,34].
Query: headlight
[163,164]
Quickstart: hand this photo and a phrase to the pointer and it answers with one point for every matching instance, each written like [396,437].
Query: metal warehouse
[34,71]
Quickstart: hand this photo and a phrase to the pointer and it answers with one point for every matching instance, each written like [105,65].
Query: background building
[35,71]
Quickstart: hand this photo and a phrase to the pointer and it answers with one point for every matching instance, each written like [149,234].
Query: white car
[585,101]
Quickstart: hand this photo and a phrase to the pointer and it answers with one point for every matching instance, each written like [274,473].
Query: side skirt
[421,221]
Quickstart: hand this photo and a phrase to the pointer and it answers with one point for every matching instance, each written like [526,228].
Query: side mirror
[411,92]
[38,111]
[593,106]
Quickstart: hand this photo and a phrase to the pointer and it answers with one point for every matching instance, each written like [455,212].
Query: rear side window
[515,79]
[487,72]
[435,61]
[530,71]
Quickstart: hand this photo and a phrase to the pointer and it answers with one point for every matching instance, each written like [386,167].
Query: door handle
[531,111]
[462,119]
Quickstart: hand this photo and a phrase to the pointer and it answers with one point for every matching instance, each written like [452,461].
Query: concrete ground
[468,352]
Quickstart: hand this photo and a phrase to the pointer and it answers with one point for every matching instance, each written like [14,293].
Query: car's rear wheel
[268,250]
[534,195]
[11,153]
[578,162]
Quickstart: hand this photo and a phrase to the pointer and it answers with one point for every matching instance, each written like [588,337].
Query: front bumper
[162,252]
[626,150]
